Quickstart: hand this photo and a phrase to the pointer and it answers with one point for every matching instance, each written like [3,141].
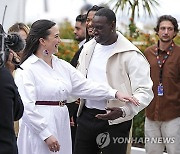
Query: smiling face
[166,31]
[52,41]
[89,23]
[102,30]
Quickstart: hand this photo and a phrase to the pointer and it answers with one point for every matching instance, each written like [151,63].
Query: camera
[9,41]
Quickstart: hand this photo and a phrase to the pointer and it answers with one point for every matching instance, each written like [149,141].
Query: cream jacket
[127,70]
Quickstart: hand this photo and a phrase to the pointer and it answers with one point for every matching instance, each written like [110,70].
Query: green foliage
[66,30]
[138,125]
[142,40]
[67,49]
[133,30]
[177,39]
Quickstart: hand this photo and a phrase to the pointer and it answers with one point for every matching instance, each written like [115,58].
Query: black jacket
[74,60]
[11,109]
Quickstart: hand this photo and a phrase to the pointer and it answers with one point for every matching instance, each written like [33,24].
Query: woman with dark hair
[44,85]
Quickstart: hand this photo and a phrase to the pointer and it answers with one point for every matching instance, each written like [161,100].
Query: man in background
[163,114]
[88,31]
[80,29]
[80,35]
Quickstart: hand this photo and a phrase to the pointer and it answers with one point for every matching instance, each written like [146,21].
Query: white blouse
[39,82]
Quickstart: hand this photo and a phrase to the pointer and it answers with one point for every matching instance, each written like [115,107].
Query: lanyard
[161,64]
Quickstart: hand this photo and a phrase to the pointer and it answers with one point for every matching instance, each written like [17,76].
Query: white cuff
[112,93]
[126,110]
[45,134]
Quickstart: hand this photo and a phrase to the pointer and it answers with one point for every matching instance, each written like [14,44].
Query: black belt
[94,111]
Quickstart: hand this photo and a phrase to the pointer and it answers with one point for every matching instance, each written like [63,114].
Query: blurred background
[28,11]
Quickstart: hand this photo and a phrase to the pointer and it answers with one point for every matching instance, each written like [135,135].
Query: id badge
[160,90]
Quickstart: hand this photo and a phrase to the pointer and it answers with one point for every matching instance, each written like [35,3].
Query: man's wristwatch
[123,112]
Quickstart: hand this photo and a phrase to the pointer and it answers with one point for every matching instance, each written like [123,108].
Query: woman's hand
[52,143]
[126,98]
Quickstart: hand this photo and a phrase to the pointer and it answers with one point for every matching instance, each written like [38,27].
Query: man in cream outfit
[111,59]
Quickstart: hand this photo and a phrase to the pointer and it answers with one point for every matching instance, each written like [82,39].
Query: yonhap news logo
[103,140]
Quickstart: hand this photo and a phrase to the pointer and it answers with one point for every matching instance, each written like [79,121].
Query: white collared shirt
[81,43]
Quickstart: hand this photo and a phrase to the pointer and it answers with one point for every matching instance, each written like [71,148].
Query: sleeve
[74,60]
[33,119]
[87,89]
[138,69]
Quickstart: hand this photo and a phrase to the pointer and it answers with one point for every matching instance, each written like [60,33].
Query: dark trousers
[73,108]
[94,136]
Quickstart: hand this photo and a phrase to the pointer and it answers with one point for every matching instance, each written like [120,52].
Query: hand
[126,98]
[77,101]
[115,112]
[10,62]
[72,123]
[52,143]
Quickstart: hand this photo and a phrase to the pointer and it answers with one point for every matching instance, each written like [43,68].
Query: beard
[79,39]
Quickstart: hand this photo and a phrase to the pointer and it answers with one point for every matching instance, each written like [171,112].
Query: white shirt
[81,43]
[39,82]
[97,72]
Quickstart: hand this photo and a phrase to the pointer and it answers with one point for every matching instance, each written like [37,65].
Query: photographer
[23,30]
[11,109]
[11,106]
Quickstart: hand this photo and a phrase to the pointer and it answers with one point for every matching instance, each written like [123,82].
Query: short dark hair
[94,8]
[108,13]
[167,18]
[81,18]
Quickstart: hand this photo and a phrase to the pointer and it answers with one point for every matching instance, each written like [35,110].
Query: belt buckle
[61,104]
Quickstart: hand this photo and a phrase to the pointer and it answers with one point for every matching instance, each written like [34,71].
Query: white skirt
[59,124]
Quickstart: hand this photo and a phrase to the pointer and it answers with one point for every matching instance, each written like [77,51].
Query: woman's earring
[45,52]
